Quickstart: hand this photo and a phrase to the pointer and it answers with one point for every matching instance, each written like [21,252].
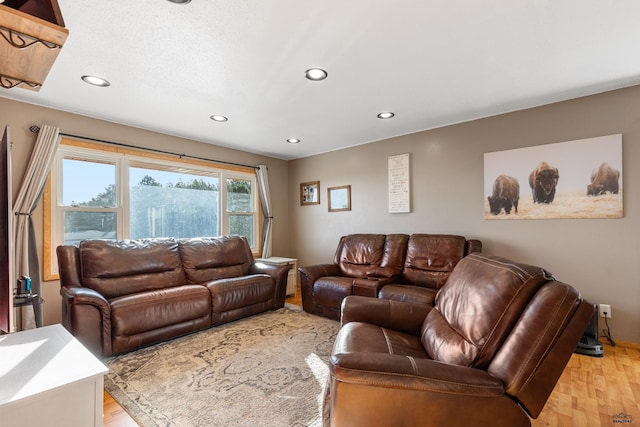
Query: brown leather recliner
[429,260]
[359,258]
[488,353]
[392,266]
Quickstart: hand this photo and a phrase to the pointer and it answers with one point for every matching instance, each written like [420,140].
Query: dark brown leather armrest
[391,314]
[312,273]
[82,295]
[87,315]
[367,286]
[389,370]
[474,245]
[279,273]
[273,270]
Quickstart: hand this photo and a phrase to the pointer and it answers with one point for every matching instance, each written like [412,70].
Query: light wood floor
[592,391]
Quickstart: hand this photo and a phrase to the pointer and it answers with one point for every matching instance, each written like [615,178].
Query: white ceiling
[432,62]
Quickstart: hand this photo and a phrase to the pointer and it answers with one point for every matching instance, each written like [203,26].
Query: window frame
[227,214]
[123,157]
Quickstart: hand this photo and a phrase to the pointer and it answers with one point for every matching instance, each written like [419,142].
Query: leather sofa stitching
[505,266]
[386,338]
[413,364]
[492,262]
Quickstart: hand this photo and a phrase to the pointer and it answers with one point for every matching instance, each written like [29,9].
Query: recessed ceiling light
[180,1]
[218,118]
[386,115]
[315,74]
[293,140]
[95,81]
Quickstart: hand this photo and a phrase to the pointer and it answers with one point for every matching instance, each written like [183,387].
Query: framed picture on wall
[339,198]
[571,179]
[310,193]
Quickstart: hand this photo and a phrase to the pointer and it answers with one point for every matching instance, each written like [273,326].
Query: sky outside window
[84,180]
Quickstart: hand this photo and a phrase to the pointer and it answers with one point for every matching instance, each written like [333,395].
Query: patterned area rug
[265,370]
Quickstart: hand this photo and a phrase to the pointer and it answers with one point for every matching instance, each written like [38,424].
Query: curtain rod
[36,129]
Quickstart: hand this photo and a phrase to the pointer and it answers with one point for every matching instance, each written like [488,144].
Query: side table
[20,301]
[49,378]
[292,279]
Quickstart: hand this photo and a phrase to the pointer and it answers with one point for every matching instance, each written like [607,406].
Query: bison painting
[543,181]
[506,193]
[604,179]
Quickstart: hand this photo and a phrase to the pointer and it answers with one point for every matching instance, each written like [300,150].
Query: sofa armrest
[397,371]
[87,316]
[308,276]
[390,314]
[279,274]
[312,273]
[473,245]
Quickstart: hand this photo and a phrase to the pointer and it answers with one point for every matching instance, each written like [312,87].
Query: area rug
[266,370]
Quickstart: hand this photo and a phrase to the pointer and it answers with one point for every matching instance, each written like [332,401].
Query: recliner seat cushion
[137,313]
[232,293]
[375,339]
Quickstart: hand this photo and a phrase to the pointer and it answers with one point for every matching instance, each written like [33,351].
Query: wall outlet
[604,308]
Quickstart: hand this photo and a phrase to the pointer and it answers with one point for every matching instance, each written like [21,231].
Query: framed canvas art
[573,179]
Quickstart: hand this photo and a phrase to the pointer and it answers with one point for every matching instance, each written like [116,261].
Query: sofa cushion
[379,255]
[206,259]
[232,293]
[146,311]
[375,339]
[120,267]
[476,309]
[431,258]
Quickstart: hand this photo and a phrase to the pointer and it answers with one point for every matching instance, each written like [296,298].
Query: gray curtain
[31,188]
[265,200]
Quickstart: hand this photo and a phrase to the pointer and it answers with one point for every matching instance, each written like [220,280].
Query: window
[100,193]
[90,204]
[168,203]
[240,206]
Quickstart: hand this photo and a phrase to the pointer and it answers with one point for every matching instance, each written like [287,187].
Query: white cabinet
[48,378]
[292,280]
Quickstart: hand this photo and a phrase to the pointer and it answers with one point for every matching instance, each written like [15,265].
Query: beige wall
[19,116]
[600,257]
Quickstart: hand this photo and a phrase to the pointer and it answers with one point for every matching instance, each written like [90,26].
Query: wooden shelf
[30,39]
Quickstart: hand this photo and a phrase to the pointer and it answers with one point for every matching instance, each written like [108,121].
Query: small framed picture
[310,193]
[339,198]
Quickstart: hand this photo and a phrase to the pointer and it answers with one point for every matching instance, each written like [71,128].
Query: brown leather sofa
[487,353]
[393,266]
[120,295]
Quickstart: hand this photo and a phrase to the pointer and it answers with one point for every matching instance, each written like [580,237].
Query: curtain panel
[31,188]
[265,200]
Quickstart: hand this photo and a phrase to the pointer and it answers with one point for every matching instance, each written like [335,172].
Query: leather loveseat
[392,266]
[487,353]
[120,295]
